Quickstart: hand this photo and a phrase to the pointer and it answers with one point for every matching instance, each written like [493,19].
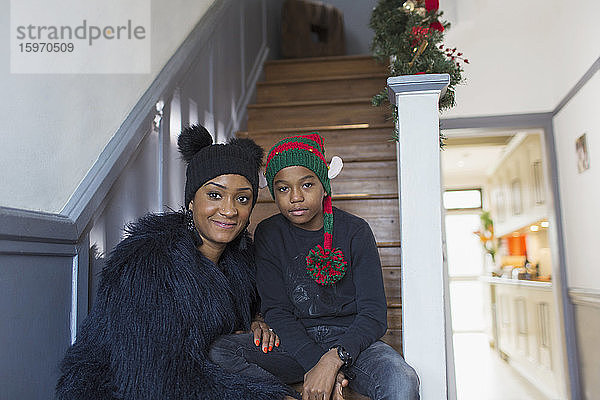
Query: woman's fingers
[277,341]
[271,340]
[257,331]
[266,335]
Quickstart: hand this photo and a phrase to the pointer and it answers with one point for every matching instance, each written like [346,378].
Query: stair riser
[320,69]
[391,283]
[369,208]
[394,317]
[361,186]
[389,256]
[357,152]
[320,90]
[393,337]
[380,170]
[314,115]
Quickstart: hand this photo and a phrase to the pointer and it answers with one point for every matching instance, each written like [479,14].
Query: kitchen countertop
[519,282]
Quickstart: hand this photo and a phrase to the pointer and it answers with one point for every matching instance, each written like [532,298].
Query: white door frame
[564,309]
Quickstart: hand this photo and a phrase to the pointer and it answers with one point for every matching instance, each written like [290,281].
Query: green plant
[409,36]
[486,235]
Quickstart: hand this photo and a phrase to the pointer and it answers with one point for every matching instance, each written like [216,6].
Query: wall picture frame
[583,160]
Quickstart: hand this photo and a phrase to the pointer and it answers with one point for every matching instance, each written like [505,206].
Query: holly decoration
[409,36]
[325,266]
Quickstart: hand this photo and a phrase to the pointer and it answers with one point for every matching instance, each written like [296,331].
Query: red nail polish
[276,344]
[257,342]
[270,348]
[264,349]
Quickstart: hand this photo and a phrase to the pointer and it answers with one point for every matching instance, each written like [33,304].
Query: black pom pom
[191,140]
[255,151]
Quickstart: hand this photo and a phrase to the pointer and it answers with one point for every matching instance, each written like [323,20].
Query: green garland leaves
[408,37]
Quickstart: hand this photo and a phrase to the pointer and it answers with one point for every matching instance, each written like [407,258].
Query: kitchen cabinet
[516,186]
[526,331]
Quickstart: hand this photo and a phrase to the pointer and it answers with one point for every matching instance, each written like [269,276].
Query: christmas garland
[409,36]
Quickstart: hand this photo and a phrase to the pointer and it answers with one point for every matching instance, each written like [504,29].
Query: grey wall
[66,120]
[356,24]
[587,322]
[48,276]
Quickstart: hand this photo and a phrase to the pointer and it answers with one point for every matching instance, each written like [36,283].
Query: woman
[172,286]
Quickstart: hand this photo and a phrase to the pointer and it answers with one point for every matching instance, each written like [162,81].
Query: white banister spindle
[427,332]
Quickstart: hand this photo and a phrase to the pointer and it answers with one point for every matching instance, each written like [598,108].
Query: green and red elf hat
[323,263]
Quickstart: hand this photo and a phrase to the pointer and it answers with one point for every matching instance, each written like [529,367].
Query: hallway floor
[482,375]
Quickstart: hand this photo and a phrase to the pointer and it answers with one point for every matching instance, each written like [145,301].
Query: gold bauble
[409,5]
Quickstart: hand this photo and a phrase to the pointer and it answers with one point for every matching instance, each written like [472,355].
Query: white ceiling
[476,151]
[467,166]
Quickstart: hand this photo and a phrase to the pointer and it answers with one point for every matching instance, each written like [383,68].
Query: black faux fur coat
[160,304]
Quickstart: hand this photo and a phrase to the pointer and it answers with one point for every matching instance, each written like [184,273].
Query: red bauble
[437,26]
[431,5]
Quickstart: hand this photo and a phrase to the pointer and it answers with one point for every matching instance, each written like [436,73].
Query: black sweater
[292,301]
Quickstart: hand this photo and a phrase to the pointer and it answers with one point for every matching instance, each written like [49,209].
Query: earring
[244,238]
[189,220]
[191,227]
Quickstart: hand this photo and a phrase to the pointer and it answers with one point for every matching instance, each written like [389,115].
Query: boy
[321,285]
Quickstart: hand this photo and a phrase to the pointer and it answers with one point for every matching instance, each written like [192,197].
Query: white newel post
[426,324]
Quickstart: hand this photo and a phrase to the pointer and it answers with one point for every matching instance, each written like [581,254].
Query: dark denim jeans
[379,371]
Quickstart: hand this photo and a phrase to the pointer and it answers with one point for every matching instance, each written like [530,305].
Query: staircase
[332,95]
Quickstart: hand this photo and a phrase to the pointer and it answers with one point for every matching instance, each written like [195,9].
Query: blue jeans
[378,372]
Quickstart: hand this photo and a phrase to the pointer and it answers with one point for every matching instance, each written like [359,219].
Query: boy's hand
[340,382]
[319,381]
[264,335]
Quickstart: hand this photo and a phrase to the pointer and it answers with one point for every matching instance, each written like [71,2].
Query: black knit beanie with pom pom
[206,161]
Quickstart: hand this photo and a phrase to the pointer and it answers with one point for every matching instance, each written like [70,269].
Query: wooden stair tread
[317,59]
[320,88]
[321,66]
[359,159]
[363,100]
[319,128]
[336,139]
[301,115]
[322,79]
[388,244]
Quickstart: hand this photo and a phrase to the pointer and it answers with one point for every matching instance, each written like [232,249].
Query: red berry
[459,54]
[466,61]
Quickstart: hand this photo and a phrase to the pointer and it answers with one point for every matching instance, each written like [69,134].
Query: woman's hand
[263,335]
[319,381]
